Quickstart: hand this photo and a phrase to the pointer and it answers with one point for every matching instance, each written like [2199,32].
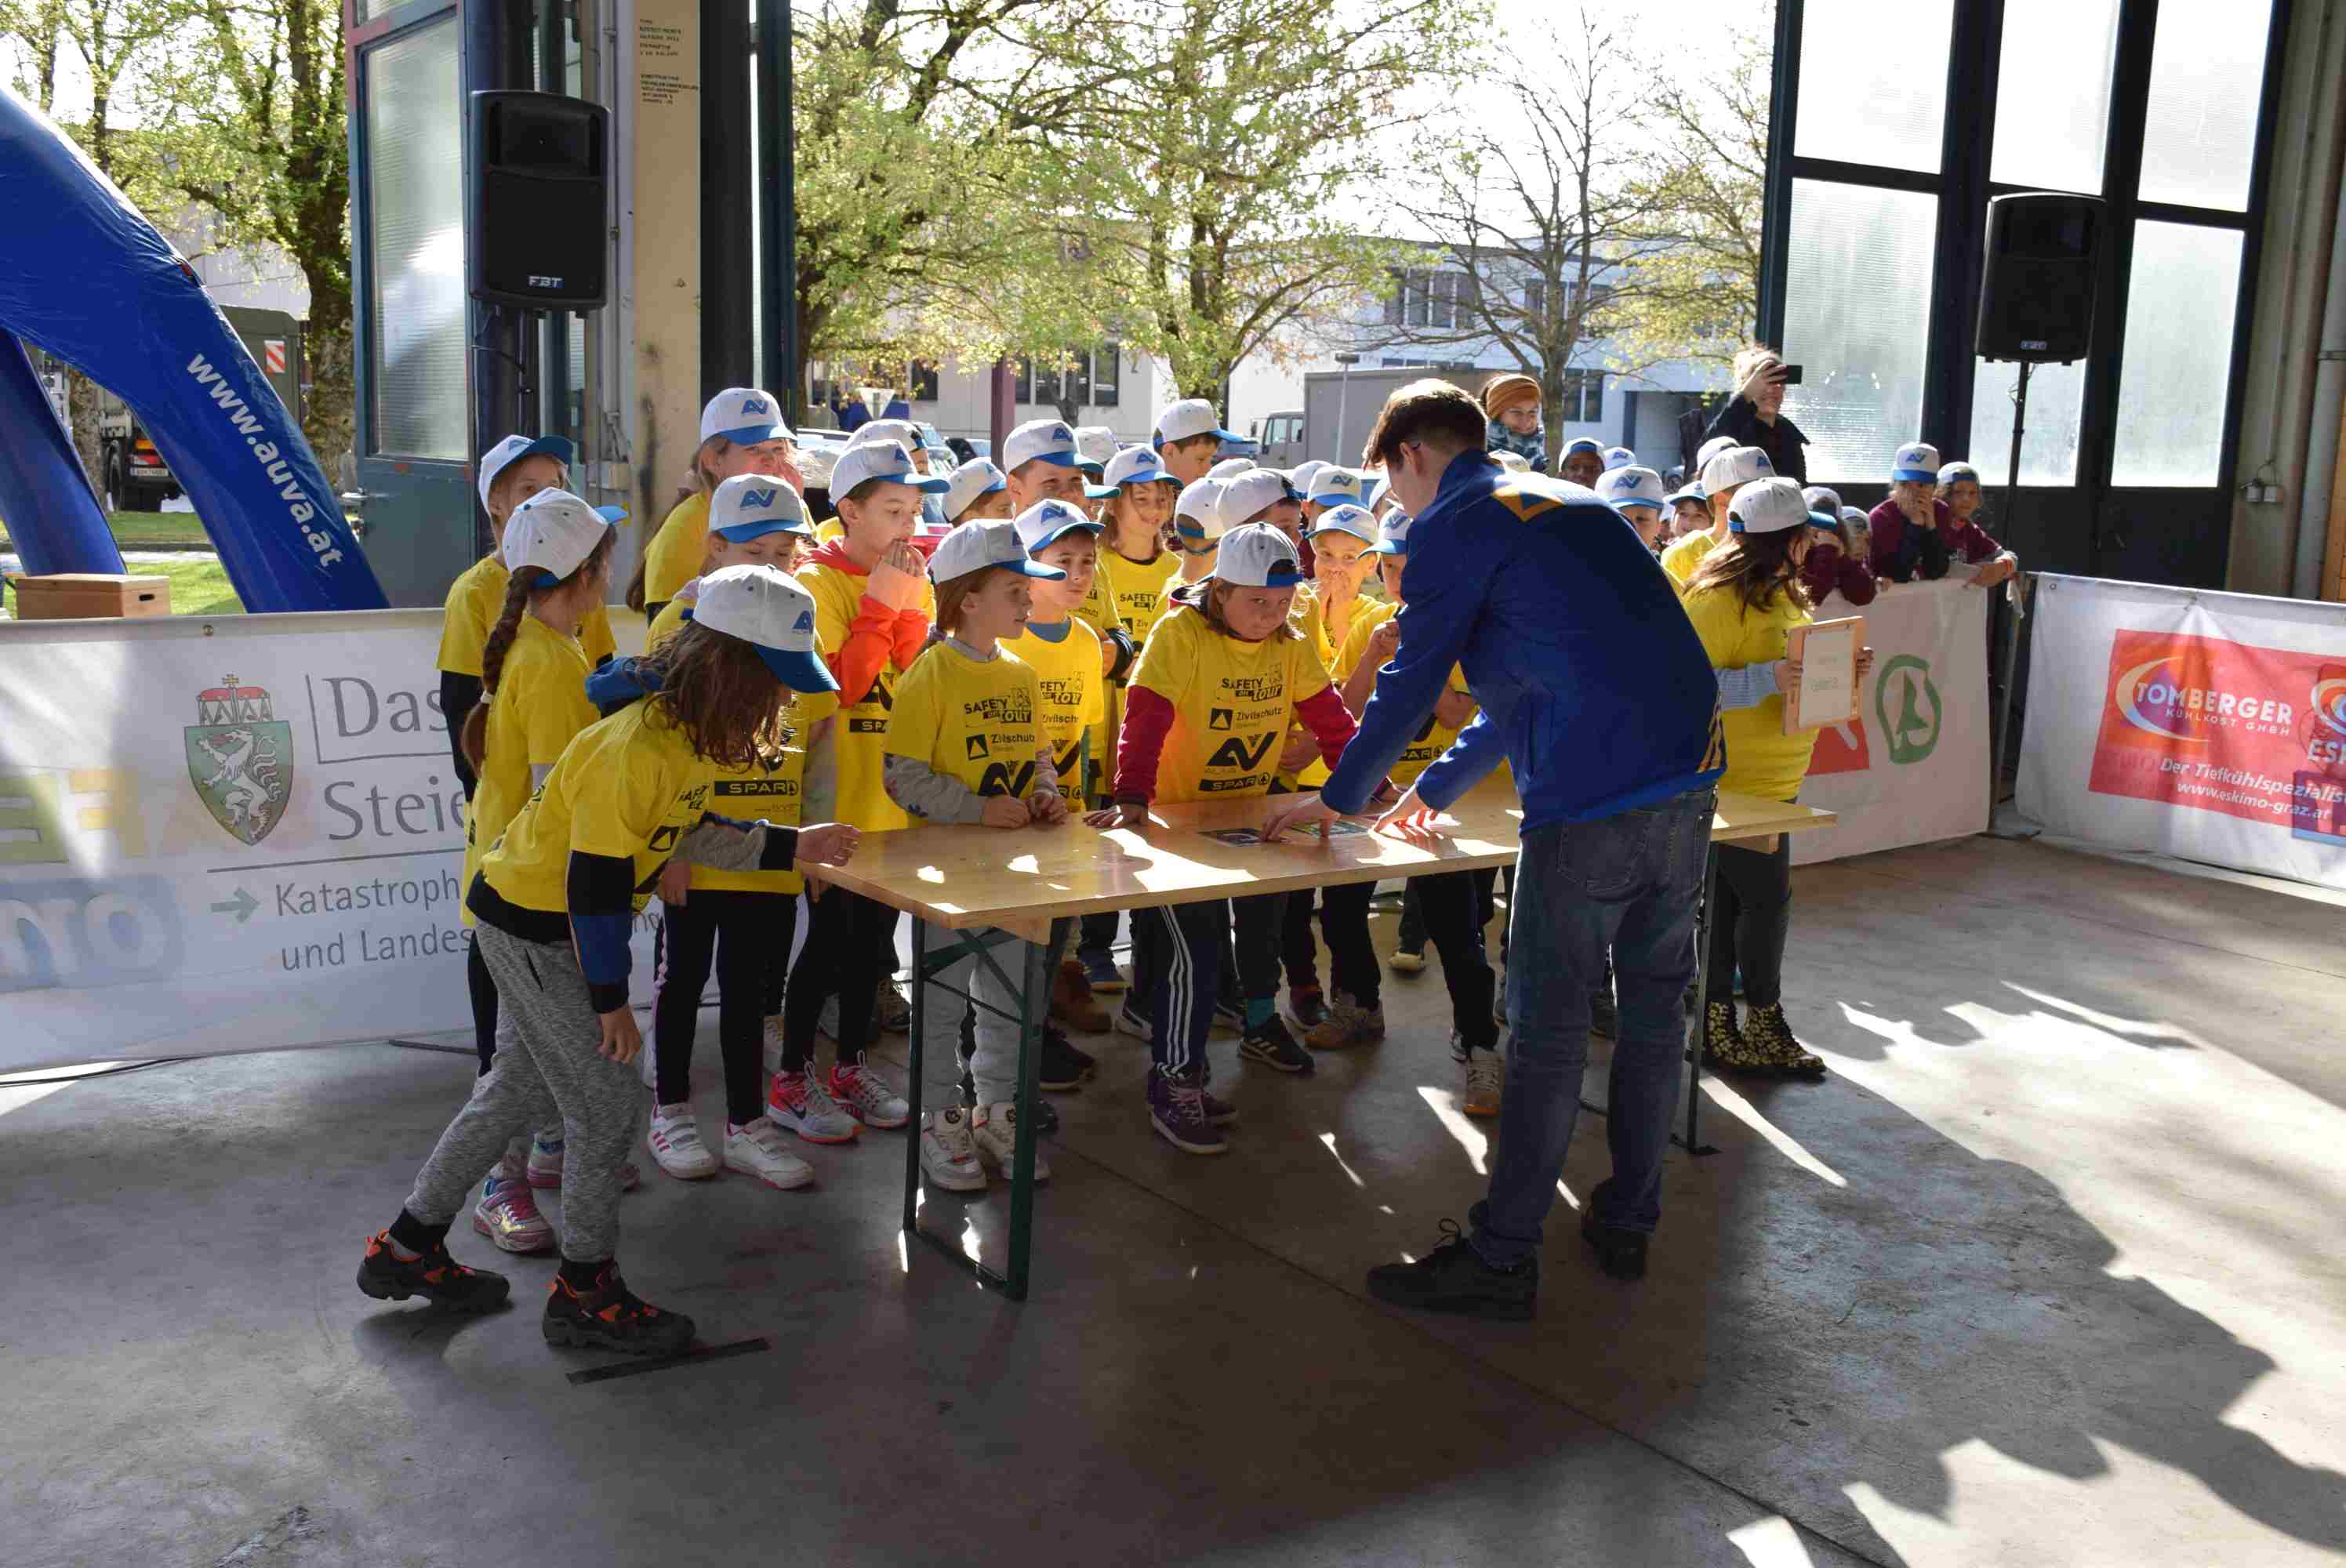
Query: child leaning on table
[966,744]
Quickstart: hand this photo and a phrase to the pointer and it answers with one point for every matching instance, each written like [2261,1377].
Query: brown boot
[1770,1037]
[1725,1048]
[1073,1005]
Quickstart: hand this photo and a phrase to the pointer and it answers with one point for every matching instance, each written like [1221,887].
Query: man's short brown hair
[1429,411]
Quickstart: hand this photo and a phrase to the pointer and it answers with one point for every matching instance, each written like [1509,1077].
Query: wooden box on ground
[87,595]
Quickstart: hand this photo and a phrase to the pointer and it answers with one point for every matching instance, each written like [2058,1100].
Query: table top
[1022,880]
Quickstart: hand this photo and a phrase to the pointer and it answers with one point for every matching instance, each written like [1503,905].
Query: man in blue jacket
[1595,688]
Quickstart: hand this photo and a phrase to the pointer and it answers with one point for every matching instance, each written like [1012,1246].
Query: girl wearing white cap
[966,745]
[1744,599]
[741,432]
[534,683]
[1916,536]
[1223,678]
[556,897]
[1724,472]
[739,923]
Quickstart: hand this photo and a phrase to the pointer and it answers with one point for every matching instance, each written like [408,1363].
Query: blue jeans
[1628,881]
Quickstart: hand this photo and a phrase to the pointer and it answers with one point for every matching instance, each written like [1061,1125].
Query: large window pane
[2048,450]
[2053,95]
[2207,76]
[2179,354]
[414,138]
[1873,81]
[1857,306]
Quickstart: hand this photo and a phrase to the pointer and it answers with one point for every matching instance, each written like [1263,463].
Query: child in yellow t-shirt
[871,610]
[739,923]
[741,432]
[556,899]
[534,675]
[1224,676]
[969,743]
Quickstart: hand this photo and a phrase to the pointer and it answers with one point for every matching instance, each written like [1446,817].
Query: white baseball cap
[1632,486]
[1258,555]
[1579,443]
[1766,506]
[744,416]
[1095,444]
[1134,465]
[1822,498]
[965,485]
[879,459]
[1619,457]
[1048,521]
[1190,416]
[552,531]
[902,432]
[1347,519]
[762,607]
[1304,474]
[1230,467]
[749,504]
[1248,492]
[1735,467]
[1710,449]
[1691,491]
[512,449]
[1198,510]
[1051,439]
[1512,462]
[1954,471]
[974,546]
[1333,486]
[1855,517]
[1392,536]
[1917,460]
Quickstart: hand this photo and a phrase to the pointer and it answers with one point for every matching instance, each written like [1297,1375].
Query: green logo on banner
[1904,688]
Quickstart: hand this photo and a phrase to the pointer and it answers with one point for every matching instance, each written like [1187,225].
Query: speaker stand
[2011,610]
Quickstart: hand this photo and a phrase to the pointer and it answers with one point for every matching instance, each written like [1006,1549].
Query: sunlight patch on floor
[1471,1138]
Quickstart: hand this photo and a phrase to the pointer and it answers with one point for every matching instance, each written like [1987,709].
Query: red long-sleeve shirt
[1149,719]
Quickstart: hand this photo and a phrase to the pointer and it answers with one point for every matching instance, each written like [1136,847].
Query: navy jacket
[1787,448]
[1591,680]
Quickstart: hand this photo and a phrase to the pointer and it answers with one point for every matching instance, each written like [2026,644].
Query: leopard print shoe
[1726,1049]
[1770,1037]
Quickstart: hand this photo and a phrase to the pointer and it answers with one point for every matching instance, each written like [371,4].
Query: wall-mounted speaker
[535,198]
[2036,296]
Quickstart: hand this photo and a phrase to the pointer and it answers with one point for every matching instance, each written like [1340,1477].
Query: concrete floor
[2047,1273]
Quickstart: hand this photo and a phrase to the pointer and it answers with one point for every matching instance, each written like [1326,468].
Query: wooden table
[1034,882]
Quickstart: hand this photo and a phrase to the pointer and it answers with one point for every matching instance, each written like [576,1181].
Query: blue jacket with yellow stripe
[1591,680]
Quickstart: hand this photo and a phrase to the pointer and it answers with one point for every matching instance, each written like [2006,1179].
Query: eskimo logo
[2329,703]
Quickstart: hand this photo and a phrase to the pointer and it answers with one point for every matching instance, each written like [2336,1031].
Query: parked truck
[1340,408]
[133,476]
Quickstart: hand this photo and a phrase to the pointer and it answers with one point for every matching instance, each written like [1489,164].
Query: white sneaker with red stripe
[675,1146]
[871,1099]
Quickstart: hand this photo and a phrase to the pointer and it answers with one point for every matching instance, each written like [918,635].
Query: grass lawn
[160,530]
[198,587]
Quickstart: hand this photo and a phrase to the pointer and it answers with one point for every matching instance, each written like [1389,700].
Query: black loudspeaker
[2036,298]
[535,199]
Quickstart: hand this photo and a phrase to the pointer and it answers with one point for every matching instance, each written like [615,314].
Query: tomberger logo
[240,758]
[2220,725]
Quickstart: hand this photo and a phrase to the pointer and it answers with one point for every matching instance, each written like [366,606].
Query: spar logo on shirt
[880,696]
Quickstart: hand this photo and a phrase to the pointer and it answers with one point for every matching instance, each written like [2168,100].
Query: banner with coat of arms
[1913,767]
[229,835]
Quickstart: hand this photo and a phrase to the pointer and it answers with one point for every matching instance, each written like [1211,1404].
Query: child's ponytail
[475,736]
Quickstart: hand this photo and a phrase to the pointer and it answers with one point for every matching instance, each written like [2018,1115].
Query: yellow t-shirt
[830,528]
[863,716]
[1099,610]
[539,707]
[1681,558]
[1137,590]
[674,557]
[1761,760]
[1075,693]
[474,601]
[980,721]
[1431,738]
[629,787]
[1232,703]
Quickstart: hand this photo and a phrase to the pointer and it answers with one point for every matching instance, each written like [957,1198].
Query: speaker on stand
[2036,307]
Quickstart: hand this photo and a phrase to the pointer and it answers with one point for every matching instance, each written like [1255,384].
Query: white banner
[1914,768]
[2207,726]
[229,835]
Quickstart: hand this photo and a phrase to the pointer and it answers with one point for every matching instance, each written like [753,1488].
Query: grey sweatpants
[549,1067]
[995,1067]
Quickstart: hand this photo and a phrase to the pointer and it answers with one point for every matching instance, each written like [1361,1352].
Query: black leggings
[1751,911]
[748,937]
[484,1005]
[1454,907]
[850,943]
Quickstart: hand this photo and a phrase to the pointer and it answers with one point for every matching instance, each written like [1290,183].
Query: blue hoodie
[1591,680]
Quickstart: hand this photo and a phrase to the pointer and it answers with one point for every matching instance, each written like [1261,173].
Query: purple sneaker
[1177,1109]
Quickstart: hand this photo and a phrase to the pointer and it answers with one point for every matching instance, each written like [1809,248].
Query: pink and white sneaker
[864,1094]
[507,1215]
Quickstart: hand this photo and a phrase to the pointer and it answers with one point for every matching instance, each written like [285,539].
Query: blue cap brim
[751,434]
[1339,528]
[1028,566]
[1819,519]
[614,515]
[915,481]
[554,446]
[1919,475]
[1337,498]
[799,671]
[1056,459]
[1101,491]
[1384,547]
[741,533]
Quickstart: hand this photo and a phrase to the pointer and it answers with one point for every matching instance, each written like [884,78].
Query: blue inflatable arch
[88,279]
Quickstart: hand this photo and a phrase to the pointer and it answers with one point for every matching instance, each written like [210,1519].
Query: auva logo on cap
[754,405]
[758,497]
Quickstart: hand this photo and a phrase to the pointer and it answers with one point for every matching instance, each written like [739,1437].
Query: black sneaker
[432,1274]
[1064,1065]
[1270,1044]
[1604,1014]
[1453,1278]
[607,1315]
[1308,1006]
[1620,1253]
